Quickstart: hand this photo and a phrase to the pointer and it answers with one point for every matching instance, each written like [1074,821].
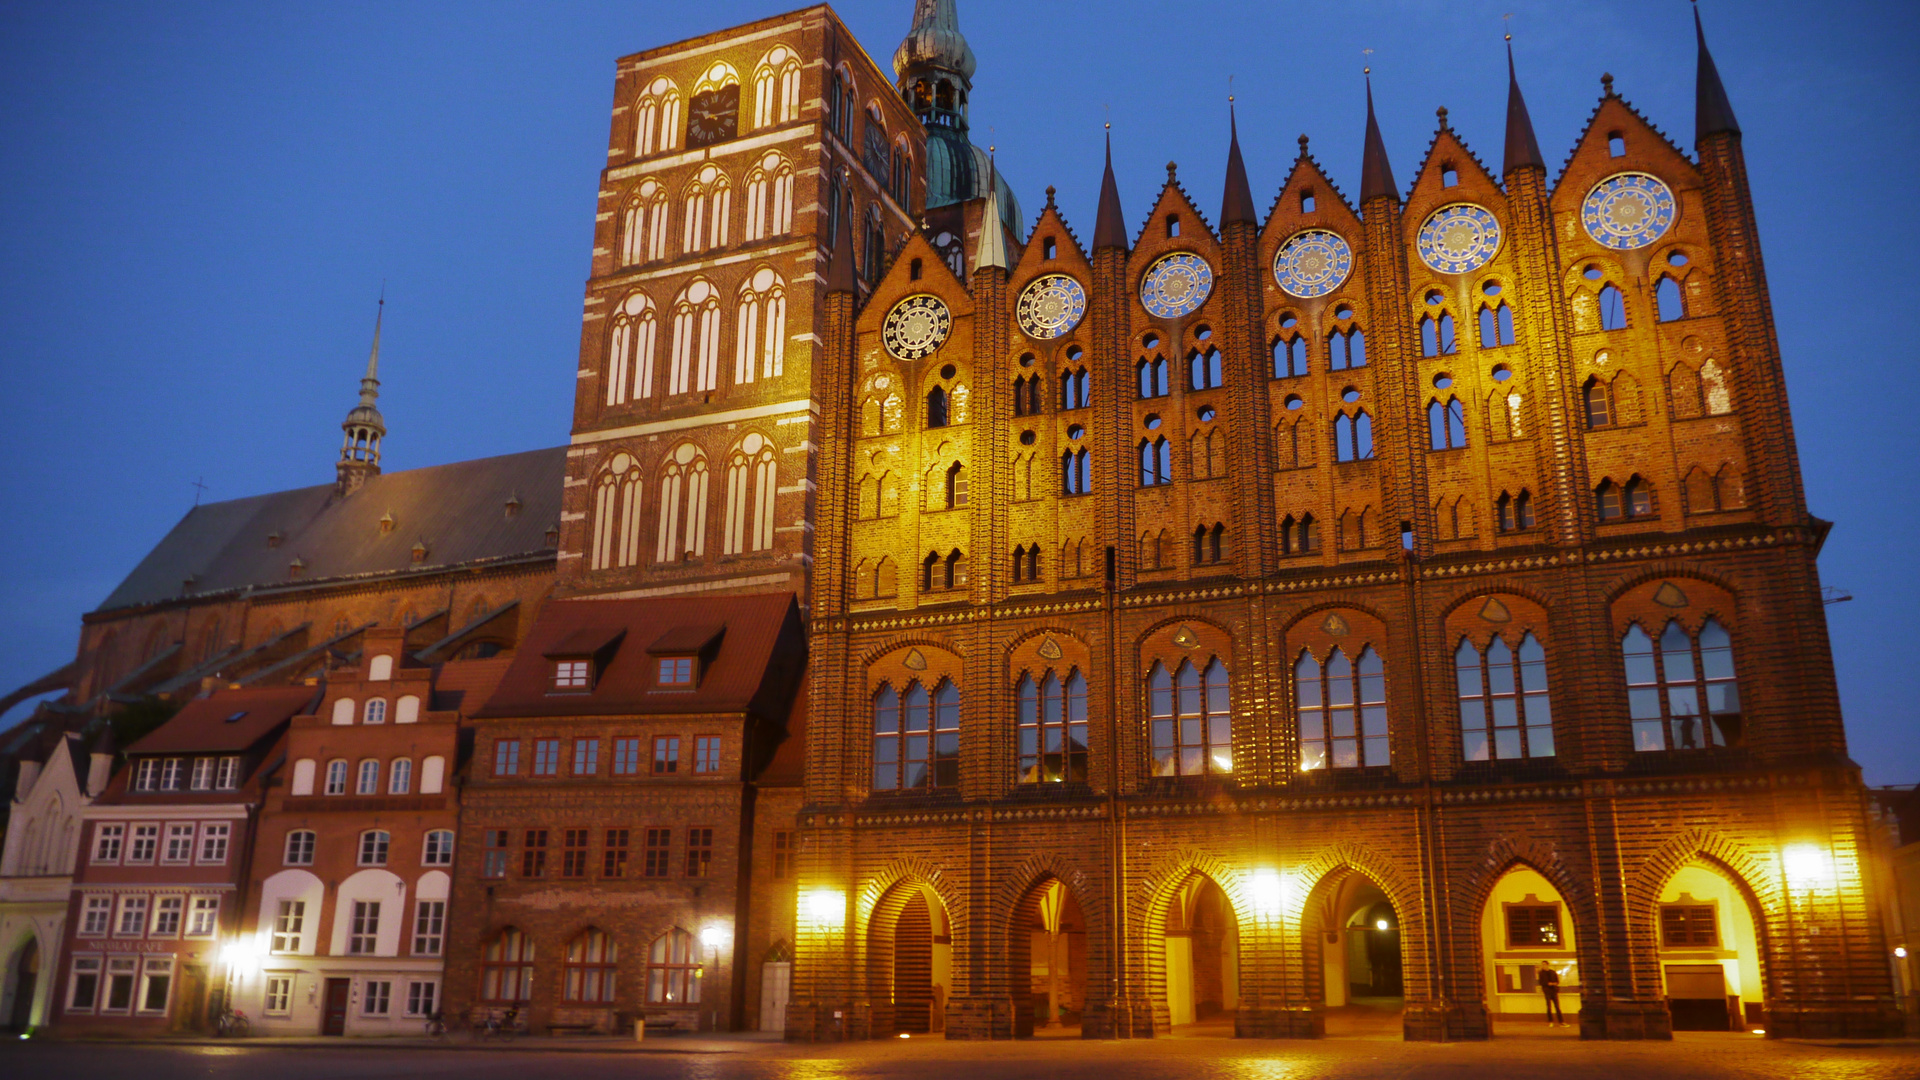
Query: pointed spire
[364,427]
[840,276]
[1712,112]
[1237,203]
[370,383]
[1523,149]
[992,249]
[1376,176]
[1109,228]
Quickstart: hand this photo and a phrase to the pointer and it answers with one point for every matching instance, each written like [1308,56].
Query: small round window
[1350,395]
[1153,421]
[1026,438]
[1074,432]
[1501,373]
[1206,413]
[1294,403]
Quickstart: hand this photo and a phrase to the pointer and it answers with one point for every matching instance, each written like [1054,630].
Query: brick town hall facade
[940,623]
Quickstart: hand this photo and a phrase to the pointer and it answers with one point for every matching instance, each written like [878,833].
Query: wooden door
[334,1020]
[776,982]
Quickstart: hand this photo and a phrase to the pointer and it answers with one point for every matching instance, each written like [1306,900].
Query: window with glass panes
[506,757]
[202,774]
[626,757]
[363,933]
[916,737]
[438,848]
[1341,710]
[613,859]
[1688,926]
[203,916]
[1682,695]
[1190,719]
[227,777]
[706,753]
[673,970]
[288,923]
[533,853]
[179,847]
[699,852]
[167,912]
[373,847]
[95,914]
[666,755]
[376,997]
[506,968]
[573,853]
[1533,926]
[1052,727]
[586,757]
[213,842]
[146,839]
[546,757]
[133,917]
[84,991]
[493,858]
[658,853]
[1504,711]
[782,855]
[106,842]
[429,927]
[422,997]
[588,975]
[279,996]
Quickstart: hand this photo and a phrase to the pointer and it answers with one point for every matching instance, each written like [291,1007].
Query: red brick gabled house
[608,815]
[163,859]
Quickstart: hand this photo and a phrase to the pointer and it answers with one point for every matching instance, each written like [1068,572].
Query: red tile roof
[755,668]
[229,721]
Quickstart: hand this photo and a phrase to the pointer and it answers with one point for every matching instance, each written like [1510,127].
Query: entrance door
[26,980]
[776,982]
[334,1020]
[1697,996]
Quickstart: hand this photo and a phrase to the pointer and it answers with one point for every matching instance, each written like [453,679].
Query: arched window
[1504,417]
[1515,512]
[1353,436]
[1156,462]
[1191,719]
[299,848]
[901,185]
[769,198]
[1496,326]
[1207,454]
[1436,335]
[776,88]
[376,712]
[630,350]
[616,515]
[696,340]
[373,847]
[1076,473]
[1447,424]
[336,777]
[1634,499]
[643,225]
[873,246]
[1613,309]
[956,486]
[1599,402]
[1204,369]
[1026,395]
[506,969]
[1290,355]
[937,407]
[1341,710]
[1668,300]
[1684,696]
[760,328]
[400,777]
[1209,544]
[1346,349]
[673,969]
[657,119]
[589,970]
[885,581]
[708,208]
[683,492]
[1504,710]
[369,778]
[916,737]
[1075,386]
[1026,563]
[1153,377]
[1052,727]
[1298,536]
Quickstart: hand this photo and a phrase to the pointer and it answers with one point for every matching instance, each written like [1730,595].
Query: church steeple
[364,427]
[1712,112]
[935,65]
[1109,228]
[1237,202]
[1522,148]
[1376,176]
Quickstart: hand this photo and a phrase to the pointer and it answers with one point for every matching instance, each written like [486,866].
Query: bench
[580,1022]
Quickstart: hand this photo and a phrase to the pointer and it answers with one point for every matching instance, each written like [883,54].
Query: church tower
[733,162]
[364,427]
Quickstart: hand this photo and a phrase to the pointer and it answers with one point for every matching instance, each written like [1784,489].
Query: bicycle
[232,1023]
[500,1025]
[437,1028]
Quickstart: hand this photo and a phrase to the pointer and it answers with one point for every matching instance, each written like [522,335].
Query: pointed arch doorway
[1199,954]
[909,961]
[1047,961]
[1351,934]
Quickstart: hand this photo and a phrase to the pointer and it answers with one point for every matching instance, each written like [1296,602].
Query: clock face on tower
[713,116]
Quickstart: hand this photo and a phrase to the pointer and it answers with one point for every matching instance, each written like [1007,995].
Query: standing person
[1549,980]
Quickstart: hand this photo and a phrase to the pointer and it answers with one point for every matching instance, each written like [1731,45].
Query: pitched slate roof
[228,721]
[760,655]
[458,511]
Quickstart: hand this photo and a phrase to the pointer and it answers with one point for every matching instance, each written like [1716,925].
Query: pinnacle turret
[1712,112]
[1376,176]
[1237,203]
[1523,150]
[992,249]
[1109,227]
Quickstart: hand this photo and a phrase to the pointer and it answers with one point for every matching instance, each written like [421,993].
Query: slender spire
[840,276]
[1376,176]
[1109,228]
[1712,112]
[1237,203]
[370,383]
[992,249]
[1522,148]
[364,427]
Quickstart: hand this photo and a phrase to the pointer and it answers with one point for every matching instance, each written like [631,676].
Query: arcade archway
[1047,960]
[1525,923]
[909,961]
[1352,937]
[1200,956]
[1708,936]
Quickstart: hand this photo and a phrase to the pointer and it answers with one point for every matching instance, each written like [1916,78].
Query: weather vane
[1368,70]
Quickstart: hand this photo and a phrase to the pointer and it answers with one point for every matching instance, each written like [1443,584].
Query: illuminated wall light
[826,909]
[1268,893]
[1808,866]
[715,936]
[1900,951]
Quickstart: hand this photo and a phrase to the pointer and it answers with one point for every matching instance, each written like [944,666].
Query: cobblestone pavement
[1689,1056]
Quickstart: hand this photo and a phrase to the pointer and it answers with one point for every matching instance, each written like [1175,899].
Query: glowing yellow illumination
[714,936]
[1900,951]
[1267,892]
[1759,1031]
[825,908]
[1808,866]
[904,1035]
[1379,924]
[243,956]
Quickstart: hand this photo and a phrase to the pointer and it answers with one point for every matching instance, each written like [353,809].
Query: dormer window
[676,671]
[570,675]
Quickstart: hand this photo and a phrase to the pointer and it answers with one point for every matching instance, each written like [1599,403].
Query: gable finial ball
[1606,83]
[1441,112]
[1170,170]
[1303,145]
[1049,194]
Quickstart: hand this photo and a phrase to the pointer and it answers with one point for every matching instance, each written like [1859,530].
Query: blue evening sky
[199,202]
